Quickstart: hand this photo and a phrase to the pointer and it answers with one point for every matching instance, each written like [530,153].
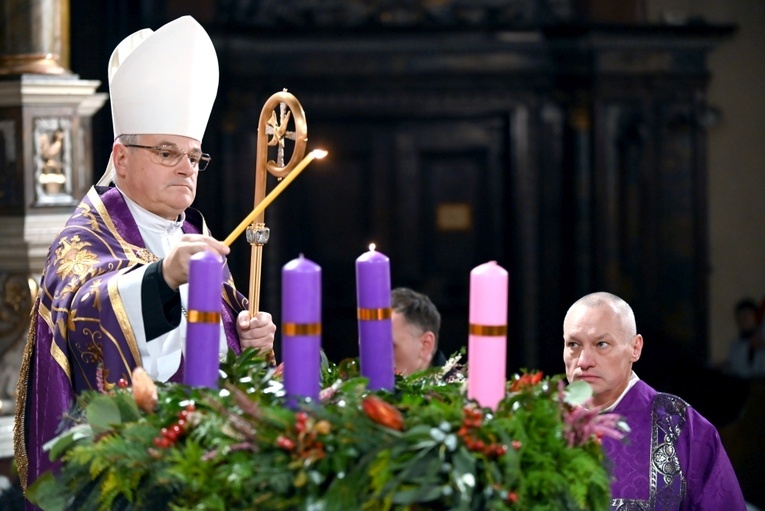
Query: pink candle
[301,329]
[201,357]
[487,343]
[374,318]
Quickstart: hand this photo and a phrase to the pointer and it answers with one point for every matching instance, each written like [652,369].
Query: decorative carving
[394,13]
[53,160]
[17,292]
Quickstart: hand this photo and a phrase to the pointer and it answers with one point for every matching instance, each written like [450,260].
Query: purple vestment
[79,324]
[672,459]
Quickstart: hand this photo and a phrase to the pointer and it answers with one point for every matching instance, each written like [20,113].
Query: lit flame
[319,153]
[372,247]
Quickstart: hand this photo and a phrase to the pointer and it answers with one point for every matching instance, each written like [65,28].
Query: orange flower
[144,390]
[526,380]
[383,413]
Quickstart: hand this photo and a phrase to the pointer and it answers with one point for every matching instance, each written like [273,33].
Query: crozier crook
[272,131]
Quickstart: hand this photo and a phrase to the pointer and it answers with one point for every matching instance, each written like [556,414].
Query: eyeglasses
[170,155]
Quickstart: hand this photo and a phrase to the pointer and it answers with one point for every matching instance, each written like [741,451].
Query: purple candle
[374,316]
[301,329]
[201,358]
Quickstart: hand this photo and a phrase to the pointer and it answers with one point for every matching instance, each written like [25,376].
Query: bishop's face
[598,351]
[163,190]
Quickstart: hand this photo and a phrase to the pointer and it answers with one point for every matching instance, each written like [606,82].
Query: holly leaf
[578,393]
[103,414]
[61,443]
[129,411]
[48,494]
[424,493]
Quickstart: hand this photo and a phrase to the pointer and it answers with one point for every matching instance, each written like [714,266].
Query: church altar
[423,445]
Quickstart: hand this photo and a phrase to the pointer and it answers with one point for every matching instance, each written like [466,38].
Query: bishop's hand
[175,267]
[257,331]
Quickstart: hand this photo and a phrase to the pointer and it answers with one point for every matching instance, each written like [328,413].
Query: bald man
[672,458]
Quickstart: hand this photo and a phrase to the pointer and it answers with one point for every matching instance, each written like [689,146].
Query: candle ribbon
[374,314]
[296,329]
[488,330]
[195,316]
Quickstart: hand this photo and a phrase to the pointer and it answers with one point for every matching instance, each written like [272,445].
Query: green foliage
[241,448]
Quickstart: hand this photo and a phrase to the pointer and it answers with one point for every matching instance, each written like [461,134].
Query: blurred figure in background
[746,357]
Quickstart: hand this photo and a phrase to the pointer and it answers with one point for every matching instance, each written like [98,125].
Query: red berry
[285,443]
[122,383]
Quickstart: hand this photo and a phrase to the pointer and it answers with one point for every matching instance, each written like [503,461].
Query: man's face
[165,191]
[409,351]
[596,351]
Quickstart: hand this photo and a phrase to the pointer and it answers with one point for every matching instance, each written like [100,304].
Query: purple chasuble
[80,333]
[672,459]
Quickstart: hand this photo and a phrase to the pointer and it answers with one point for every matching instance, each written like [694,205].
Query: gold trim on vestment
[296,329]
[98,204]
[230,297]
[55,350]
[60,357]
[194,316]
[374,314]
[488,330]
[19,441]
[45,315]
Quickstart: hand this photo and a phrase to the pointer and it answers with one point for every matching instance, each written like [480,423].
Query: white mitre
[163,83]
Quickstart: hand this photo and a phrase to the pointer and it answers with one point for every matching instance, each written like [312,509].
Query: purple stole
[672,459]
[80,332]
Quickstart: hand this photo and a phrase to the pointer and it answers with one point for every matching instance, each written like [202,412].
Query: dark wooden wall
[572,153]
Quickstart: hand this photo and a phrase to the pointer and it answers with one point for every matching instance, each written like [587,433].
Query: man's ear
[120,157]
[637,347]
[427,343]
